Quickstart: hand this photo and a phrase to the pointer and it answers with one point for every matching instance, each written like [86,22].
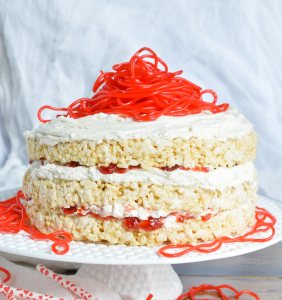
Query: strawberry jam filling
[151,224]
[113,168]
[196,169]
[133,223]
[72,164]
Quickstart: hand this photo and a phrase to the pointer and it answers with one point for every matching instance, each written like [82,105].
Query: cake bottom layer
[112,231]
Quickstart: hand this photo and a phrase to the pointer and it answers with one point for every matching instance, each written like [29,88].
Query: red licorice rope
[211,289]
[142,89]
[265,222]
[13,218]
[194,291]
[7,273]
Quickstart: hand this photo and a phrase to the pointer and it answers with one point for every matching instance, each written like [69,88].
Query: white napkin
[28,278]
[105,282]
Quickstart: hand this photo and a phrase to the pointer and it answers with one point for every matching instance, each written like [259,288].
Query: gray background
[52,51]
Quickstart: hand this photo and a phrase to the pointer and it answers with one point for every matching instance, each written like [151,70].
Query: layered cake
[179,176]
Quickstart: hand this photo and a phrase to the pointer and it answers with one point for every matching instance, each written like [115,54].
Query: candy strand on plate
[150,297]
[219,290]
[13,219]
[142,89]
[265,222]
[7,273]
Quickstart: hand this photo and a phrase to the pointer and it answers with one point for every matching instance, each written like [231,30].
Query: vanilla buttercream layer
[218,178]
[100,127]
[139,198]
[87,228]
[148,152]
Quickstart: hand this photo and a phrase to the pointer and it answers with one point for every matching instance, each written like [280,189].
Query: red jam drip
[72,164]
[113,168]
[219,290]
[181,218]
[69,210]
[206,217]
[151,224]
[96,216]
[13,219]
[142,89]
[265,222]
[196,169]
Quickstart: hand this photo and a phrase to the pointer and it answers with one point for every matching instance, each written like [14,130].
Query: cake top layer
[127,99]
[98,127]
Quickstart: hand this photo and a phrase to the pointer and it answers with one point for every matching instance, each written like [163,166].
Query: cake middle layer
[140,193]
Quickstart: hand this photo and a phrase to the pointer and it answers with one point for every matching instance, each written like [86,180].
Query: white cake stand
[133,271]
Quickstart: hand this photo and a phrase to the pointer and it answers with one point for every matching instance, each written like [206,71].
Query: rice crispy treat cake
[107,177]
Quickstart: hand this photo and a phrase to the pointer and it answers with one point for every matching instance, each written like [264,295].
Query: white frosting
[170,222]
[103,126]
[120,211]
[216,179]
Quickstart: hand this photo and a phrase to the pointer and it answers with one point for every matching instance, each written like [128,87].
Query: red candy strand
[265,222]
[142,89]
[13,219]
[7,274]
[219,290]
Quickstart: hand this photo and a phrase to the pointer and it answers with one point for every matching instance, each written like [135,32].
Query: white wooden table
[260,272]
